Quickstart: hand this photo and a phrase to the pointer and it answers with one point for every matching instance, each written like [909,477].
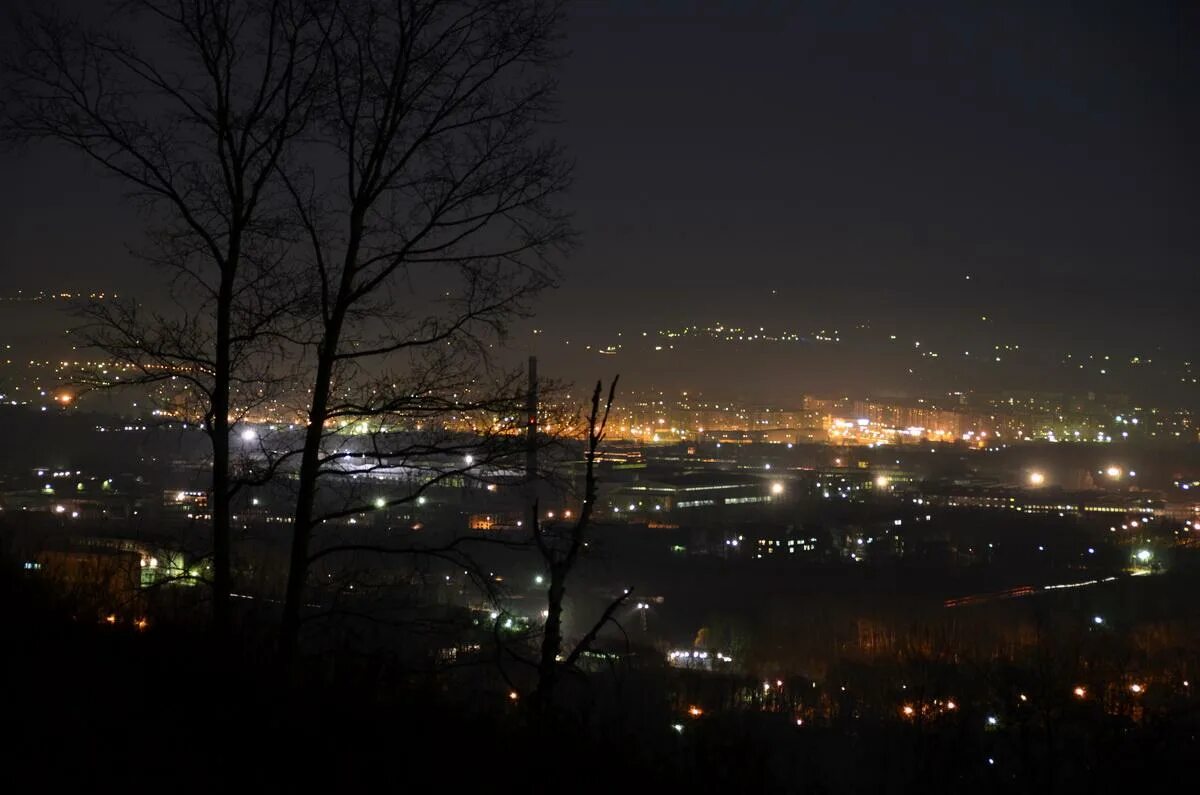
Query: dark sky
[858,158]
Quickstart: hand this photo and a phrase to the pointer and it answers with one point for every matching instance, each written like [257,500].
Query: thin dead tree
[429,212]
[560,550]
[195,113]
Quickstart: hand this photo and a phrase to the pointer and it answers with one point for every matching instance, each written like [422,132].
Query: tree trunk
[220,505]
[551,639]
[310,458]
[310,463]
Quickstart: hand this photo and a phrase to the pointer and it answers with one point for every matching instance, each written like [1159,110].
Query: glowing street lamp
[1113,472]
[1036,478]
[777,488]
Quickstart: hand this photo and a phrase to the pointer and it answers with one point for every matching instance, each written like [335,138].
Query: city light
[248,435]
[1036,478]
[1080,692]
[777,488]
[1113,472]
[882,482]
[1136,689]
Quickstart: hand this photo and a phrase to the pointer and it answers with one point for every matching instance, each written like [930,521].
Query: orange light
[1080,692]
[951,705]
[908,711]
[513,695]
[64,398]
[695,711]
[111,618]
[1136,688]
[141,623]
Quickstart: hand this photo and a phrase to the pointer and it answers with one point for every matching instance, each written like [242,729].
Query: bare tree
[560,551]
[429,214]
[196,115]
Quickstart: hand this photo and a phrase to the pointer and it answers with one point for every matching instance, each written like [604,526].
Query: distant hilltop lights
[62,295]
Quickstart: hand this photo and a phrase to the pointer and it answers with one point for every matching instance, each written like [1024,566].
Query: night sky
[812,164]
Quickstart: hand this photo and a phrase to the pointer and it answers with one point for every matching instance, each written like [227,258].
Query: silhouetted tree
[427,209]
[196,117]
[560,549]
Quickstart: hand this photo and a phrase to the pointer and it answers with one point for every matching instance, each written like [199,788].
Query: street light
[1036,478]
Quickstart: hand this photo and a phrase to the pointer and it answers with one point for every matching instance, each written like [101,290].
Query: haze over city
[765,397]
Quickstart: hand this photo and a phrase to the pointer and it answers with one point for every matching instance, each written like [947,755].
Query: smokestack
[531,427]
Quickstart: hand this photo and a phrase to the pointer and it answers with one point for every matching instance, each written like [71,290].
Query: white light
[777,488]
[1097,620]
[470,459]
[380,502]
[1036,478]
[249,435]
